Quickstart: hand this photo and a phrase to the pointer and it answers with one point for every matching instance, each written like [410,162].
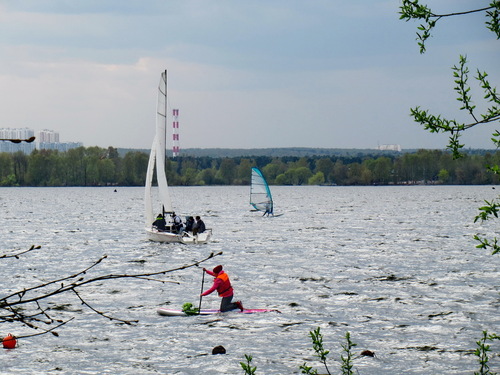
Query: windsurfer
[223,286]
[269,210]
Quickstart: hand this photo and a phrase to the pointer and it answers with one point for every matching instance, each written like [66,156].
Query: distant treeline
[94,166]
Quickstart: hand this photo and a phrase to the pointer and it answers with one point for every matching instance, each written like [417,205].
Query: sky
[243,74]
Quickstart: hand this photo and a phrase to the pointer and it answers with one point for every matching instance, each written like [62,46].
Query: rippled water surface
[394,266]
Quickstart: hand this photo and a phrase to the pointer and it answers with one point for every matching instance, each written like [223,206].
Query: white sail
[161,139]
[157,158]
[148,199]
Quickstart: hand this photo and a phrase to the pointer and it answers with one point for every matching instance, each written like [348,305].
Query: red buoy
[9,341]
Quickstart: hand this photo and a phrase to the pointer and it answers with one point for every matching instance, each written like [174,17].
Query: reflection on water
[395,266]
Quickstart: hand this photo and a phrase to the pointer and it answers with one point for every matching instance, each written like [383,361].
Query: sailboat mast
[166,116]
[165,127]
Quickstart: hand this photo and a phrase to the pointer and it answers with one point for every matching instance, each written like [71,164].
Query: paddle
[202,282]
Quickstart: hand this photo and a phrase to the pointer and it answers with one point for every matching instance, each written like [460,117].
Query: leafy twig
[482,353]
[247,367]
[347,365]
[413,10]
[321,352]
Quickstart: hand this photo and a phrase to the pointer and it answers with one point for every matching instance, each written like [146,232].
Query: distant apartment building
[389,148]
[24,133]
[47,136]
[45,140]
[49,140]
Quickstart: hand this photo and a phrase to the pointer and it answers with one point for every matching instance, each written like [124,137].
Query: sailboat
[168,231]
[260,194]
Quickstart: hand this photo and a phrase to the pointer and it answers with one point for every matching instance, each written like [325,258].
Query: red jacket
[221,283]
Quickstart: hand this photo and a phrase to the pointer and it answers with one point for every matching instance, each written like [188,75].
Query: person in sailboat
[160,222]
[223,286]
[189,224]
[199,226]
[177,223]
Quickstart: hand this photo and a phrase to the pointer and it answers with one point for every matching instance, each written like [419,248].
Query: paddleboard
[171,312]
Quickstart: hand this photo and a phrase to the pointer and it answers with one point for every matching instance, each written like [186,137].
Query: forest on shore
[95,166]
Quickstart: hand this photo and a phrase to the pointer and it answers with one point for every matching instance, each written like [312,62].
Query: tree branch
[10,305]
[16,255]
[413,10]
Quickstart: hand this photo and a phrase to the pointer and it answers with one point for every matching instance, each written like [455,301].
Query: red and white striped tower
[175,133]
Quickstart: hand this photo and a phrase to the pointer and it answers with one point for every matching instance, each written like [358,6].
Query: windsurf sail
[260,195]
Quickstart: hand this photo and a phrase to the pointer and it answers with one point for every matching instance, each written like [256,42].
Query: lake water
[396,267]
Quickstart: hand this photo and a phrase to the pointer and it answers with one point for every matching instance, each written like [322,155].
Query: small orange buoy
[9,341]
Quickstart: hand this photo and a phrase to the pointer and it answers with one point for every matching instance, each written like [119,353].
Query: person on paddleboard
[223,286]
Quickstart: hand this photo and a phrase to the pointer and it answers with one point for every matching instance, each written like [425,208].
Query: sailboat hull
[187,238]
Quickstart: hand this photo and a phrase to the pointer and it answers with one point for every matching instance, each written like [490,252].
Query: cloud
[243,74]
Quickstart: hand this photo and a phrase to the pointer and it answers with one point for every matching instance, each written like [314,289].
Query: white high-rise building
[21,133]
[45,139]
[389,148]
[48,136]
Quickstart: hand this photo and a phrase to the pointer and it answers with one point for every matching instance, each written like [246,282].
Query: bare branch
[52,330]
[10,305]
[129,322]
[16,255]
